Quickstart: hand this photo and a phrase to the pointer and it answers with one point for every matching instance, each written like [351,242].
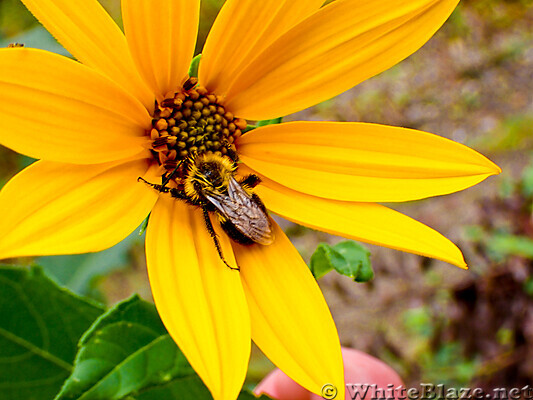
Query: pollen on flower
[193,121]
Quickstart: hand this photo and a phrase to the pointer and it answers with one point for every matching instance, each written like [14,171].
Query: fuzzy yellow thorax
[208,174]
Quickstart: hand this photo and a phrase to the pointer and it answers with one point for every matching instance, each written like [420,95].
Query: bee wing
[244,213]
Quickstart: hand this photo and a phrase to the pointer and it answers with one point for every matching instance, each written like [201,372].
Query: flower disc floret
[192,122]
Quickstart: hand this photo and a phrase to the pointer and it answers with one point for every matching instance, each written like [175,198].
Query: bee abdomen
[235,234]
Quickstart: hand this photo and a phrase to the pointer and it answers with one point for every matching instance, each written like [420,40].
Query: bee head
[208,174]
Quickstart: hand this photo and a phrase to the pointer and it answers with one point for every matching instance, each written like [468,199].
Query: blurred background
[473,83]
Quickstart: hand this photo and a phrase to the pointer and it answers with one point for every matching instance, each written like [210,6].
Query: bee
[208,181]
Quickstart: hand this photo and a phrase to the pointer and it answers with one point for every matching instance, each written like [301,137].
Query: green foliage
[527,181]
[39,330]
[248,396]
[418,321]
[14,17]
[208,11]
[126,350]
[79,272]
[269,122]
[513,133]
[502,245]
[506,187]
[187,388]
[528,286]
[195,64]
[54,341]
[505,337]
[458,26]
[347,258]
[144,225]
[264,122]
[444,363]
[447,365]
[512,239]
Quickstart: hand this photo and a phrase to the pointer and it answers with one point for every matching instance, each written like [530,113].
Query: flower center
[194,121]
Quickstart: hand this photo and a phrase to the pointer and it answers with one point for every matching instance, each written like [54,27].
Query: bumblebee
[208,181]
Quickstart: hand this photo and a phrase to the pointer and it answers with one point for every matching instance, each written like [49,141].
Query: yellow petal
[89,34]
[333,50]
[242,30]
[365,222]
[57,109]
[54,208]
[161,38]
[362,162]
[291,322]
[200,300]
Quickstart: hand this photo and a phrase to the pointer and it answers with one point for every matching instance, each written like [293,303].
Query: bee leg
[250,181]
[159,188]
[232,154]
[163,187]
[169,176]
[213,235]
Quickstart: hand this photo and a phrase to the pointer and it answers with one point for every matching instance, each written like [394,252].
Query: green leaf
[125,351]
[79,272]
[39,330]
[323,260]
[527,181]
[193,68]
[269,122]
[14,17]
[187,388]
[144,225]
[419,321]
[528,286]
[249,396]
[513,133]
[358,258]
[190,387]
[506,187]
[347,258]
[502,245]
[263,123]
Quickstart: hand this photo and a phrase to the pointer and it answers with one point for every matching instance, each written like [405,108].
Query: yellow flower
[90,123]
